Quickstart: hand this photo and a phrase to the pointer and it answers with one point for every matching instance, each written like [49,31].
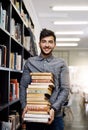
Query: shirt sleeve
[63,88]
[25,80]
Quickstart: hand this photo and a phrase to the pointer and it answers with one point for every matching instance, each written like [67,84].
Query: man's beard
[46,54]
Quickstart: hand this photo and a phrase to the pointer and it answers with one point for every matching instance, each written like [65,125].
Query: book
[42,81]
[15,90]
[15,61]
[37,102]
[1,13]
[12,60]
[38,112]
[3,18]
[41,120]
[12,27]
[41,85]
[3,55]
[37,115]
[38,107]
[14,118]
[26,41]
[0,57]
[19,57]
[38,95]
[37,99]
[42,77]
[39,91]
[13,121]
[43,95]
[6,125]
[12,95]
[41,74]
[18,32]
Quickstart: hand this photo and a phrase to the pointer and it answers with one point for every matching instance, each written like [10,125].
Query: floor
[79,121]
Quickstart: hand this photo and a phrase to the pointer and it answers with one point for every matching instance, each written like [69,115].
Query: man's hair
[45,32]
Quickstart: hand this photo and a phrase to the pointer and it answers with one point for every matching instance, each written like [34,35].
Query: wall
[78,57]
[73,57]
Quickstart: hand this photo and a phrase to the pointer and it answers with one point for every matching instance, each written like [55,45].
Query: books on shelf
[26,42]
[15,30]
[15,61]
[14,89]
[14,118]
[3,17]
[12,30]
[3,52]
[38,94]
[13,122]
[5,125]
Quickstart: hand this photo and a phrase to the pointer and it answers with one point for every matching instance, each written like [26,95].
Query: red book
[14,81]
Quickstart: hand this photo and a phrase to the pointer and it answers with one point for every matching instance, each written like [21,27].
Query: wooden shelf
[15,26]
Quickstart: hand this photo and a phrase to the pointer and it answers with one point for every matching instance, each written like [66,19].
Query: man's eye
[50,41]
[43,41]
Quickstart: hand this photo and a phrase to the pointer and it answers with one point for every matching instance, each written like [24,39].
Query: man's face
[47,45]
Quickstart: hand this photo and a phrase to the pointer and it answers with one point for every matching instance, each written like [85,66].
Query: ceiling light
[69,32]
[70,8]
[68,39]
[70,22]
[67,44]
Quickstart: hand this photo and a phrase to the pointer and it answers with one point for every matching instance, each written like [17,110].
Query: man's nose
[47,43]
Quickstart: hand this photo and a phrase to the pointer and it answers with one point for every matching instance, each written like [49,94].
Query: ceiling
[46,17]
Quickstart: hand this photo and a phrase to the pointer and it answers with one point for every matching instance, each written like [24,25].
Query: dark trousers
[58,124]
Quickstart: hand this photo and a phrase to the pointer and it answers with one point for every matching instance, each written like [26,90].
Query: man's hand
[52,113]
[24,111]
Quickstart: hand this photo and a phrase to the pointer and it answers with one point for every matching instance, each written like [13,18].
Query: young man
[46,62]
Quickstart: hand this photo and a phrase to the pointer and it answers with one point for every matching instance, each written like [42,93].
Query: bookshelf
[17,43]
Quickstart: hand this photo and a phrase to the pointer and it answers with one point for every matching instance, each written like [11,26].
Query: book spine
[36,120]
[42,81]
[38,108]
[38,91]
[37,115]
[42,77]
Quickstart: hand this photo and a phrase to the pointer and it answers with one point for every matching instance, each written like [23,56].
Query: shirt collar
[47,59]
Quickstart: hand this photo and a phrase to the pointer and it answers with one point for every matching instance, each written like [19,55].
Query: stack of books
[38,94]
